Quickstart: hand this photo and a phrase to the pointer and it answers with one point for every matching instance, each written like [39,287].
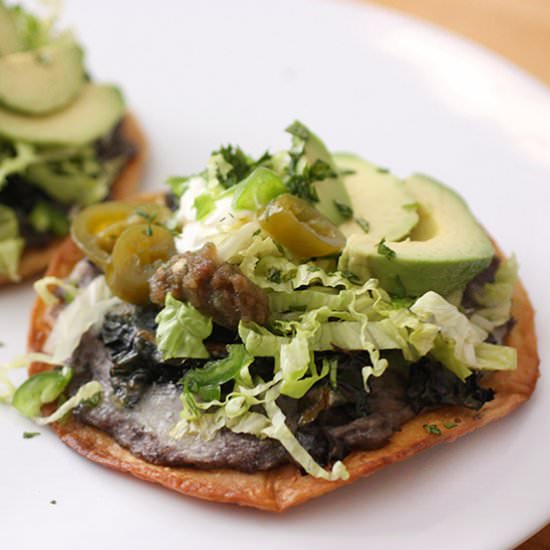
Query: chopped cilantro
[313,268]
[385,250]
[241,164]
[363,224]
[321,170]
[299,130]
[450,425]
[274,275]
[346,172]
[345,210]
[351,277]
[94,401]
[30,435]
[150,218]
[410,206]
[382,170]
[147,216]
[256,233]
[301,187]
[432,429]
[301,184]
[279,247]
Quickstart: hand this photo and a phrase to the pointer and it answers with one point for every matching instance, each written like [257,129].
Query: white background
[402,94]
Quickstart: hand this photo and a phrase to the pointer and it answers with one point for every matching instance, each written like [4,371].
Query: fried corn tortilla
[284,487]
[36,260]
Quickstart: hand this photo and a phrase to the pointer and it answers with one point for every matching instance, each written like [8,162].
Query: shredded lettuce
[495,357]
[10,254]
[453,325]
[280,431]
[181,330]
[11,245]
[88,392]
[495,298]
[460,344]
[235,414]
[9,226]
[42,288]
[84,313]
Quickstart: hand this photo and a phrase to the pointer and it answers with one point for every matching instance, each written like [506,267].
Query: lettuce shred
[181,330]
[86,312]
[42,289]
[88,392]
[495,299]
[10,255]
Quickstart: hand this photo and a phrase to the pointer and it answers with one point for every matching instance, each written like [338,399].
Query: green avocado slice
[10,41]
[445,251]
[382,206]
[91,115]
[43,80]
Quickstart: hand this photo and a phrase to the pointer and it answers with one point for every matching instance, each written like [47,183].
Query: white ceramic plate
[400,93]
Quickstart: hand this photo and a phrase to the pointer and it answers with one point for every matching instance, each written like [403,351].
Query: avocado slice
[378,198]
[330,191]
[10,40]
[42,80]
[445,251]
[91,115]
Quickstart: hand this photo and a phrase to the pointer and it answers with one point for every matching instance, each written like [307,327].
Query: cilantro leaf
[346,172]
[432,429]
[363,224]
[30,435]
[301,184]
[241,164]
[385,250]
[351,277]
[450,425]
[345,210]
[274,275]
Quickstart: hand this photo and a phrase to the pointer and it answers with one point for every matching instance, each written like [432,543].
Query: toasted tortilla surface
[35,260]
[281,488]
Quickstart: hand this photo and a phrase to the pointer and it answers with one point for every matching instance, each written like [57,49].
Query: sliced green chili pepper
[206,381]
[258,189]
[42,388]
